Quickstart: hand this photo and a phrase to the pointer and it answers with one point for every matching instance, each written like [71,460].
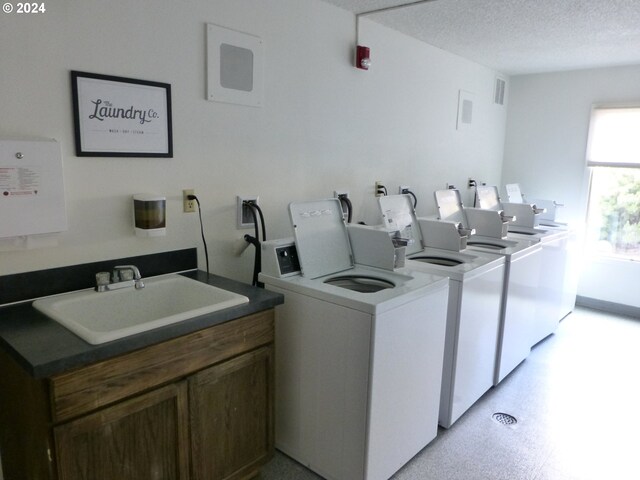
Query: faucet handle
[102,281]
[126,274]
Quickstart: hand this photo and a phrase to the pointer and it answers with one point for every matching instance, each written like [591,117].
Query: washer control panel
[280,258]
[287,259]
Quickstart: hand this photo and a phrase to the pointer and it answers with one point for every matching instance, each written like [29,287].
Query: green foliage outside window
[619,209]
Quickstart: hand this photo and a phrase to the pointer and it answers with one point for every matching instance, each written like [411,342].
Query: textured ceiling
[519,36]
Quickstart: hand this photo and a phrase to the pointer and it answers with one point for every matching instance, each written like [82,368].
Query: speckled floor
[577,402]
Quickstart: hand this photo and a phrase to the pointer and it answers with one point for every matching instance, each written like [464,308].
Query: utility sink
[99,317]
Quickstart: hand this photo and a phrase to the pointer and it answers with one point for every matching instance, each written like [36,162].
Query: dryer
[476,281]
[521,281]
[359,351]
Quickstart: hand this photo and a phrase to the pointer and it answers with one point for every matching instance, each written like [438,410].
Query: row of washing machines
[388,331]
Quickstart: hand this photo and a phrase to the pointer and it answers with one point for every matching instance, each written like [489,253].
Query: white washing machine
[488,198]
[521,281]
[554,255]
[550,207]
[554,262]
[476,281]
[359,351]
[565,267]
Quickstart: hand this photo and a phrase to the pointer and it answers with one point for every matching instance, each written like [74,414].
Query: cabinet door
[231,408]
[142,438]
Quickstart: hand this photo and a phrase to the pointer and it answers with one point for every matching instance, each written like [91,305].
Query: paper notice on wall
[31,188]
[19,181]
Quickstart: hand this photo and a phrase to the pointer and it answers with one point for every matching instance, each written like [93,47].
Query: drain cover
[504,418]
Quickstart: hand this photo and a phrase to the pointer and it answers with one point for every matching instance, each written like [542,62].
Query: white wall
[546,138]
[324,126]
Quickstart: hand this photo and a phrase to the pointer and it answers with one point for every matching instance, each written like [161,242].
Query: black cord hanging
[255,240]
[204,241]
[257,207]
[415,199]
[344,200]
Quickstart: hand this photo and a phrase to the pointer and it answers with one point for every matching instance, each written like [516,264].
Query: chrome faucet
[121,276]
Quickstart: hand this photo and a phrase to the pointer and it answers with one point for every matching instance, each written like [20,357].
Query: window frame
[590,135]
[593,166]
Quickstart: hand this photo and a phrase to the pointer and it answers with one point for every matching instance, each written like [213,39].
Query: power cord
[255,206]
[344,200]
[204,242]
[255,240]
[409,192]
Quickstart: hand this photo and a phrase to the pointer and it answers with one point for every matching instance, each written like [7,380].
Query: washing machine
[566,262]
[359,351]
[554,276]
[554,256]
[475,296]
[521,280]
[550,207]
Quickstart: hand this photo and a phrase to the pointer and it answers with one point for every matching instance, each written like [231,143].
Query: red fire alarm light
[363,59]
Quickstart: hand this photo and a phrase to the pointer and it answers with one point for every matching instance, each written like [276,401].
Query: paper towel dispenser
[31,188]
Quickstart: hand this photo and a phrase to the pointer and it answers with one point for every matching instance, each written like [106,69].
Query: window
[613,154]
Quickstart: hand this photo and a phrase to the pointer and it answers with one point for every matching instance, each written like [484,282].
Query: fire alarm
[363,59]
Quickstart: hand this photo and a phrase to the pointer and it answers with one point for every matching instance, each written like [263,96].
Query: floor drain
[504,418]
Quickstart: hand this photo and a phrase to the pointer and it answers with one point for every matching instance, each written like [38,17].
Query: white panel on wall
[465,110]
[234,66]
[31,188]
[498,93]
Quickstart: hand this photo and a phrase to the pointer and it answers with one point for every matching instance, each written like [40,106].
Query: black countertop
[45,348]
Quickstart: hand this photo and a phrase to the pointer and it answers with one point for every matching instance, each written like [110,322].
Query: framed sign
[121,117]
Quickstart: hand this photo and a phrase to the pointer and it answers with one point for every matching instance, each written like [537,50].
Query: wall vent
[498,94]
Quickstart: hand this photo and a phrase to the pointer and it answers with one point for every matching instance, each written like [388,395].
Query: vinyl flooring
[576,399]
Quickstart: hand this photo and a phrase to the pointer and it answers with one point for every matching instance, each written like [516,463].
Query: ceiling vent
[498,94]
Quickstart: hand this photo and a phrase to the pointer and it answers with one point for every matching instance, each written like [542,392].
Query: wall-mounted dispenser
[31,188]
[149,213]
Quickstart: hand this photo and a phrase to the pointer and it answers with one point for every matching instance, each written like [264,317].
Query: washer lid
[321,237]
[514,195]
[398,214]
[450,206]
[488,197]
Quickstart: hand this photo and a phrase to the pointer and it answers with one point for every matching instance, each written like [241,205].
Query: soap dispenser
[149,212]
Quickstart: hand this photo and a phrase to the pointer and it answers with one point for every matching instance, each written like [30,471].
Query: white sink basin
[100,317]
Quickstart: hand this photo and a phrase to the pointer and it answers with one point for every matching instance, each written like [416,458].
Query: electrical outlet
[471,183]
[188,206]
[379,189]
[337,193]
[244,217]
[403,189]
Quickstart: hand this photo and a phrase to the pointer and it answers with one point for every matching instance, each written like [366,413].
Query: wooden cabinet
[137,438]
[195,407]
[228,404]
